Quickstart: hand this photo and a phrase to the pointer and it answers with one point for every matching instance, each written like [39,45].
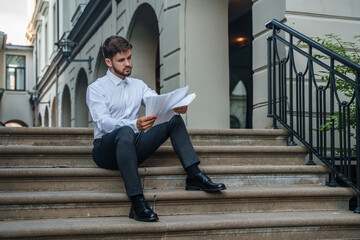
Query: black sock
[193,170]
[133,198]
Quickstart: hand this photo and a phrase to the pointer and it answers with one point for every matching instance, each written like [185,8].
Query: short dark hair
[113,45]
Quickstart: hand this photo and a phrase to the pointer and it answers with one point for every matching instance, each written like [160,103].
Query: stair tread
[90,131]
[111,225]
[163,149]
[53,197]
[147,171]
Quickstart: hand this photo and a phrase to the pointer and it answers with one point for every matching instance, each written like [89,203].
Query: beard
[122,73]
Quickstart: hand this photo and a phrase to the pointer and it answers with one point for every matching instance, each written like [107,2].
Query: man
[121,140]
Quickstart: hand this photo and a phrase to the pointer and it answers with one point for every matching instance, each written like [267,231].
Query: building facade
[16,80]
[217,47]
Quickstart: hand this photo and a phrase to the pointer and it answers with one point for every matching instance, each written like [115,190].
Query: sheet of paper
[163,105]
[186,101]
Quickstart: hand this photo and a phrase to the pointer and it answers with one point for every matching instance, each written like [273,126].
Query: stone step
[84,136]
[296,225]
[34,136]
[95,179]
[80,156]
[69,204]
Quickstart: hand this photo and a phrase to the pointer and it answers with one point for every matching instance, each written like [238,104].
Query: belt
[96,140]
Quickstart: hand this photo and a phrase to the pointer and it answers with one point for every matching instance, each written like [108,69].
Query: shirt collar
[116,80]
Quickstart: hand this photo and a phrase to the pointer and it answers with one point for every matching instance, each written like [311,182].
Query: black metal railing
[304,96]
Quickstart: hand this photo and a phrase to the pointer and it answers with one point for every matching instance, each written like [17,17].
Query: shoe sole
[195,188]
[153,219]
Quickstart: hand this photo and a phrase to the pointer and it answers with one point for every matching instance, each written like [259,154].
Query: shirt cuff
[129,123]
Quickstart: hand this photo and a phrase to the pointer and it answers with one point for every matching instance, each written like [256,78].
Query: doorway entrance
[240,63]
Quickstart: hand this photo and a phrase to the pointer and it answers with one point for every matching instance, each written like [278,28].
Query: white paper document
[163,105]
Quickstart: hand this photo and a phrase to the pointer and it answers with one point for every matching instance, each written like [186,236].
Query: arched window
[81,110]
[46,117]
[66,108]
[15,123]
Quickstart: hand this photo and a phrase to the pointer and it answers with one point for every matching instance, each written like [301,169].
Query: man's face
[121,64]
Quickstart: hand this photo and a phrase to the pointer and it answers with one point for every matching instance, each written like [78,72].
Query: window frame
[7,87]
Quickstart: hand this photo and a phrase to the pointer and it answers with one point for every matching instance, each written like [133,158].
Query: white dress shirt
[114,102]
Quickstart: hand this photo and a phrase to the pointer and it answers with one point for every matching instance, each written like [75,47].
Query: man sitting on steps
[121,140]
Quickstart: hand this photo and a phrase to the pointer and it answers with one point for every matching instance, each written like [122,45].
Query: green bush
[349,50]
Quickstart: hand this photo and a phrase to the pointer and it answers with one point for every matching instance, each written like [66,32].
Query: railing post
[274,48]
[311,74]
[357,105]
[291,94]
[332,182]
[270,113]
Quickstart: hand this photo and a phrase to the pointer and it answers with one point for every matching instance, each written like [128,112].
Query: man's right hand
[145,123]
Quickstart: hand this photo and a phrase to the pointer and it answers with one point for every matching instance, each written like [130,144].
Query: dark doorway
[240,62]
[66,108]
[81,110]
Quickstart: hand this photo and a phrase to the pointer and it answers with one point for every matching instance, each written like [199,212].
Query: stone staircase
[51,189]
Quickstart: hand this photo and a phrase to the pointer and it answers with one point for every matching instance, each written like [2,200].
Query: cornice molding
[44,6]
[93,16]
[37,25]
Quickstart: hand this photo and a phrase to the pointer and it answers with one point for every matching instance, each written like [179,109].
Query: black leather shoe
[140,211]
[203,183]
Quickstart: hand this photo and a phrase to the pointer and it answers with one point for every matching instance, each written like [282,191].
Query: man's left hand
[181,110]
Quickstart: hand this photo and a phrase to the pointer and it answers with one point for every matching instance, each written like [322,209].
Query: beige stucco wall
[319,17]
[206,63]
[263,11]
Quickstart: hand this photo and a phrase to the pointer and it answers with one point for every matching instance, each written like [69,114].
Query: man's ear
[108,62]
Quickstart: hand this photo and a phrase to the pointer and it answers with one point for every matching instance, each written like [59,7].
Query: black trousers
[124,150]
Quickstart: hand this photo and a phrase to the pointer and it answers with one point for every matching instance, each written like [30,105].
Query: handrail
[312,43]
[304,104]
